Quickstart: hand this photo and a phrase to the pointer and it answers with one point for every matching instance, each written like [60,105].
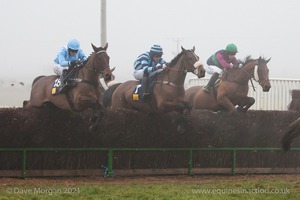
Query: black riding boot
[63,81]
[145,86]
[210,83]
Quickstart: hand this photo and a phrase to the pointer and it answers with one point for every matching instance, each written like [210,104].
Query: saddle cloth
[138,90]
[56,86]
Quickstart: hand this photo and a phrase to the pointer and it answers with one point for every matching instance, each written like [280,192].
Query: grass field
[273,187]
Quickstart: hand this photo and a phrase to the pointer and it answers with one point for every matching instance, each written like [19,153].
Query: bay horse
[290,134]
[84,95]
[233,88]
[168,91]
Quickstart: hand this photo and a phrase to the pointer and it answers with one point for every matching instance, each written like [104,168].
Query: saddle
[70,83]
[138,90]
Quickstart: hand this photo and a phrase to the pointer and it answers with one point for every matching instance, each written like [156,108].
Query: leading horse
[168,91]
[84,95]
[233,88]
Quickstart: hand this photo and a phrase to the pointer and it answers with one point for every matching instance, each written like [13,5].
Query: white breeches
[138,74]
[58,69]
[211,69]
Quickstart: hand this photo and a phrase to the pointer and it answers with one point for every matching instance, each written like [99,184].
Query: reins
[169,82]
[97,71]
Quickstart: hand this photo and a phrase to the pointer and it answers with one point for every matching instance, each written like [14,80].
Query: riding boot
[63,81]
[210,83]
[145,86]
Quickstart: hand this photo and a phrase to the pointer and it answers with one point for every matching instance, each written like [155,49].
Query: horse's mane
[248,59]
[175,60]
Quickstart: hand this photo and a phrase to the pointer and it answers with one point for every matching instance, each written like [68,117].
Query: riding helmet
[156,50]
[231,48]
[74,45]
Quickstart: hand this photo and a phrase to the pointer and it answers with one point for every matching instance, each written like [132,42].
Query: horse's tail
[25,102]
[290,134]
[36,79]
[107,95]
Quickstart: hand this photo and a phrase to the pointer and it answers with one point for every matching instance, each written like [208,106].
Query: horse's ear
[183,49]
[193,48]
[105,47]
[268,60]
[113,69]
[95,48]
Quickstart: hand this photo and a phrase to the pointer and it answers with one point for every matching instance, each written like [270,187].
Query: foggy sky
[33,31]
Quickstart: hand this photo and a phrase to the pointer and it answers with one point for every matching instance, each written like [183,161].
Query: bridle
[255,75]
[184,71]
[93,70]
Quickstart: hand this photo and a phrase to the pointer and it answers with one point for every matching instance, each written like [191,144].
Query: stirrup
[146,96]
[206,90]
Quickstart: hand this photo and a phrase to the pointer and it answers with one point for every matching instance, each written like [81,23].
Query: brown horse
[233,88]
[168,91]
[84,95]
[290,134]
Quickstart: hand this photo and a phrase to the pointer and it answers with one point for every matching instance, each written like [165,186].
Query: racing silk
[221,60]
[144,61]
[64,59]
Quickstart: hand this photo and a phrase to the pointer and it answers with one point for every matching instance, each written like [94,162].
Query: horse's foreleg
[245,104]
[178,106]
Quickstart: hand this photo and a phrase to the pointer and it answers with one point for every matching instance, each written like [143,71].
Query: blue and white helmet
[74,45]
[156,50]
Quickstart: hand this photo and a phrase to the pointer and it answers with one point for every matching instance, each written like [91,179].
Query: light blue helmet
[74,45]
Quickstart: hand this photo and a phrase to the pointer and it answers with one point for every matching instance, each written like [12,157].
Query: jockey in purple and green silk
[146,63]
[223,59]
[68,57]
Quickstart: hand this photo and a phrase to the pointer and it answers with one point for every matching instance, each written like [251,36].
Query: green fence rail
[110,152]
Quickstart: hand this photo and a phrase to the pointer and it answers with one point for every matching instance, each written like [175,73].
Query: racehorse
[290,134]
[168,90]
[233,88]
[84,95]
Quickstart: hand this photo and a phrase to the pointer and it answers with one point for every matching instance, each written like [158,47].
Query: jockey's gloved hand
[75,62]
[159,66]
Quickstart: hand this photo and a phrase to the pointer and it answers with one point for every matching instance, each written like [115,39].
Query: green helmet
[231,48]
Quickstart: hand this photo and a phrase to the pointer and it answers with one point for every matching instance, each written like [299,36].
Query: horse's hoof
[92,129]
[93,120]
[241,110]
[180,129]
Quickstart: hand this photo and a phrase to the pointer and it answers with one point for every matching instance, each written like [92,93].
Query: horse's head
[101,62]
[261,74]
[192,63]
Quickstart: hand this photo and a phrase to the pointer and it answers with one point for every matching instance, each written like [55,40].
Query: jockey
[68,57]
[222,59]
[146,63]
